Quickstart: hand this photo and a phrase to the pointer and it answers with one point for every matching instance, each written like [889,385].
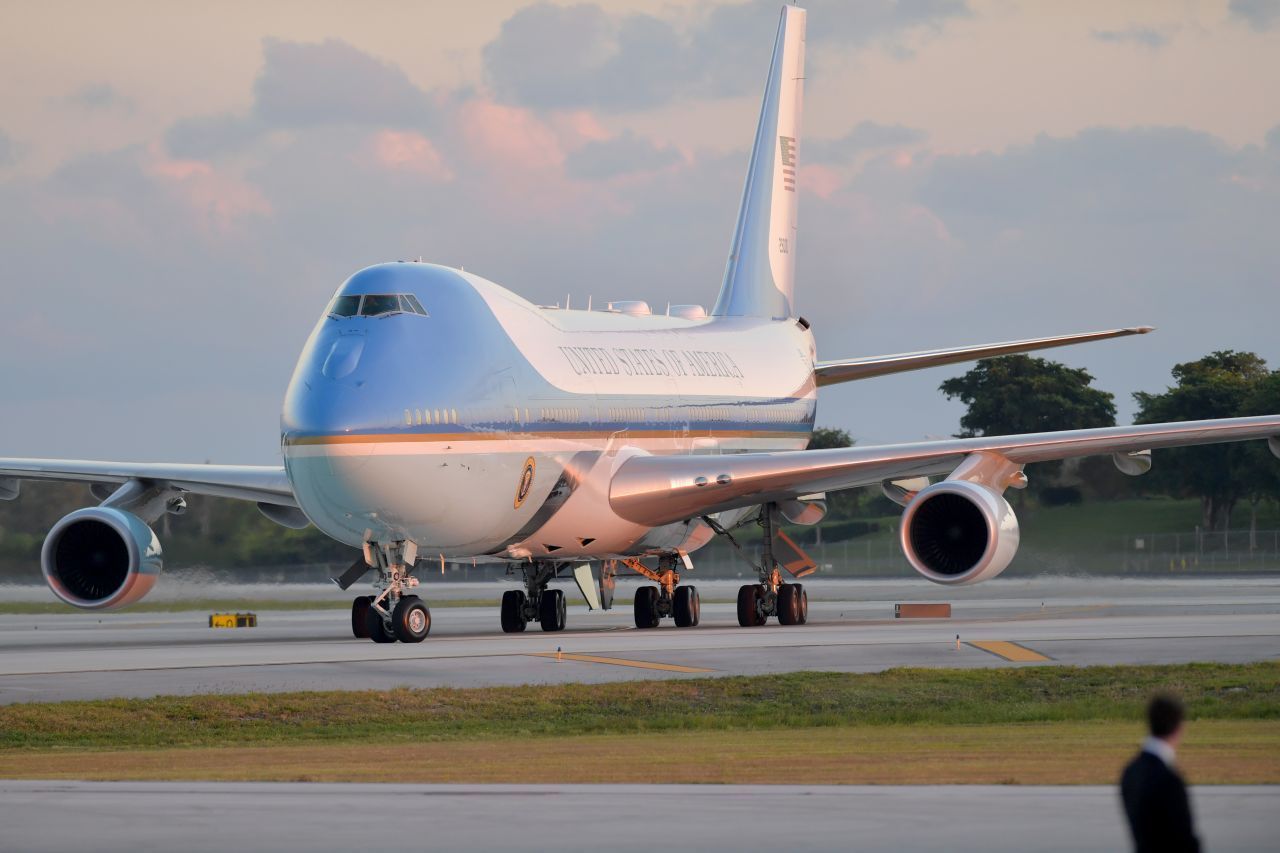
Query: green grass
[810,700]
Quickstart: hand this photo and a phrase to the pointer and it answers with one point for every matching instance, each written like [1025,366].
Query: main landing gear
[534,603]
[772,596]
[392,614]
[668,599]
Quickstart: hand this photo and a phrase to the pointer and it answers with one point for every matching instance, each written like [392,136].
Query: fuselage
[433,406]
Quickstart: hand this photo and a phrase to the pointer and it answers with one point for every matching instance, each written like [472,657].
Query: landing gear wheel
[802,600]
[749,613]
[687,607]
[411,620]
[376,628]
[789,604]
[513,619]
[551,610]
[359,614]
[646,607]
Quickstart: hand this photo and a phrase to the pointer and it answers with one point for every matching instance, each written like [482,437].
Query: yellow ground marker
[1008,651]
[639,664]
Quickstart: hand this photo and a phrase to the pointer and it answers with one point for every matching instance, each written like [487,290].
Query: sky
[183,185]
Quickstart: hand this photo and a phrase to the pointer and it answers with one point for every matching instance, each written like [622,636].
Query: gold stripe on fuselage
[381,438]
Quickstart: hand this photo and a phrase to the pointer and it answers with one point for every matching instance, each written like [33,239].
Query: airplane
[434,415]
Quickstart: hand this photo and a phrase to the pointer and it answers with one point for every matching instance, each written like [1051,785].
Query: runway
[105,816]
[1002,623]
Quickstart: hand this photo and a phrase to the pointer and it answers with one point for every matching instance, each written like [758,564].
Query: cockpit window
[344,306]
[376,304]
[411,303]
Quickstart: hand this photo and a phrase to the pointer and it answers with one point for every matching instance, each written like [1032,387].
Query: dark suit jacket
[1155,801]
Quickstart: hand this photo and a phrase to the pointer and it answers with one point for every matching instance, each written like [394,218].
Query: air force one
[436,416]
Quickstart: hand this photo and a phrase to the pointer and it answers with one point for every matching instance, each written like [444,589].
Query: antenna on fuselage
[588,301]
[567,296]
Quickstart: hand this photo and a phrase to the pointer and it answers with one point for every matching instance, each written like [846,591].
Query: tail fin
[761,270]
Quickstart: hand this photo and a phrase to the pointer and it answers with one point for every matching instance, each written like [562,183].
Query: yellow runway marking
[640,664]
[1008,651]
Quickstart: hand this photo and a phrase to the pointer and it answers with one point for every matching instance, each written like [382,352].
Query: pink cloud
[217,200]
[509,138]
[822,181]
[406,151]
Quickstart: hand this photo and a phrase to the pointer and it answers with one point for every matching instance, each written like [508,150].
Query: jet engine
[959,532]
[101,558]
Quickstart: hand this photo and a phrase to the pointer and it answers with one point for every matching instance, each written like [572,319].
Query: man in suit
[1155,797]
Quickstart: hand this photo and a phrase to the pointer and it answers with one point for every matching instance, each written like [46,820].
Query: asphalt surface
[851,628]
[193,817]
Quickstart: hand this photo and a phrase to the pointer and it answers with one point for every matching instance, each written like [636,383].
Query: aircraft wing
[847,370]
[261,483]
[657,490]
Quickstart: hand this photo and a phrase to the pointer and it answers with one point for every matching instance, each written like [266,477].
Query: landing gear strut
[668,599]
[535,602]
[392,614]
[772,596]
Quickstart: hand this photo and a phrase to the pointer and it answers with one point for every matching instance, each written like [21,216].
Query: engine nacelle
[959,532]
[101,558]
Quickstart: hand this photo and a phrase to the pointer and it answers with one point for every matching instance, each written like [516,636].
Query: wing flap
[264,483]
[848,370]
[661,489]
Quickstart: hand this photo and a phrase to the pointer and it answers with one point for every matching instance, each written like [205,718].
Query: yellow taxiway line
[640,664]
[1008,651]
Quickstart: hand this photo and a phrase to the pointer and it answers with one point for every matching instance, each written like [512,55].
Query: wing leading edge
[847,370]
[661,489]
[261,483]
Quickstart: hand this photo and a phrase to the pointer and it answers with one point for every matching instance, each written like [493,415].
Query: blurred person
[1154,793]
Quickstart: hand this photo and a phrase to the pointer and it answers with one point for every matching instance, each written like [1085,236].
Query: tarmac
[193,817]
[851,628]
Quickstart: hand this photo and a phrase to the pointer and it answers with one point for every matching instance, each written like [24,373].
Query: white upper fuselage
[490,426]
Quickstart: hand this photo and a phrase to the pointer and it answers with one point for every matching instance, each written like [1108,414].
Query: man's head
[1165,715]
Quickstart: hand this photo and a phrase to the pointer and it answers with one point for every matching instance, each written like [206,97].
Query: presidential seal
[526,481]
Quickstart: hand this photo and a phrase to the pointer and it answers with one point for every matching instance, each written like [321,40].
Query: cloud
[558,57]
[626,154]
[100,96]
[1260,15]
[8,153]
[1143,36]
[1272,139]
[333,83]
[306,85]
[865,136]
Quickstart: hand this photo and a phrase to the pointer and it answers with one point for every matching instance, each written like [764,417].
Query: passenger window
[344,306]
[378,304]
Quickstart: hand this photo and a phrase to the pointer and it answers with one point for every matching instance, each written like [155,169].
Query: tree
[842,505]
[1019,394]
[1223,384]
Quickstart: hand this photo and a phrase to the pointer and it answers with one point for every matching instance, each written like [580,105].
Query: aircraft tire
[749,606]
[513,621]
[646,607]
[789,604]
[411,620]
[359,611]
[551,610]
[378,631]
[687,607]
[802,604]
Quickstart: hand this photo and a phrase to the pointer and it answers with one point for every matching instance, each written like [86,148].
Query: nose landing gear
[392,614]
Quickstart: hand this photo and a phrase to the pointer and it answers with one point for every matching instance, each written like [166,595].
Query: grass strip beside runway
[1041,724]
